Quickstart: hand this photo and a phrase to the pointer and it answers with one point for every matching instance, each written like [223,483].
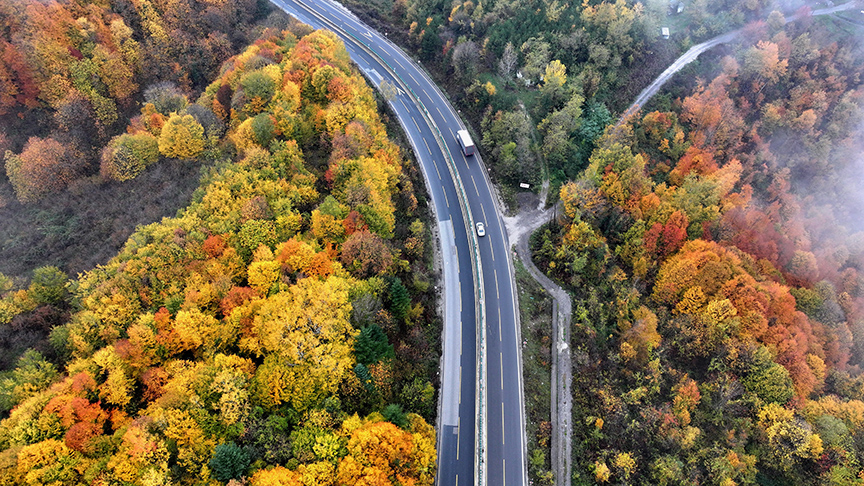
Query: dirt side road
[519,228]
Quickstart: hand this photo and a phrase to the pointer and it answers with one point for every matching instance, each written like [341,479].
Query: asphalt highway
[504,438]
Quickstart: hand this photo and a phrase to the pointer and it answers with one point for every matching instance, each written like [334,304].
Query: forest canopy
[716,268]
[254,334]
[711,242]
[72,74]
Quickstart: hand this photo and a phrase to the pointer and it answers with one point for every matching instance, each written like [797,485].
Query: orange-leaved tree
[44,166]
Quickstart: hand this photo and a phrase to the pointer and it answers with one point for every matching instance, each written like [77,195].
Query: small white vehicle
[481,229]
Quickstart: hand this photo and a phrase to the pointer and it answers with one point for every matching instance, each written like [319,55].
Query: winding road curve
[481,420]
[698,49]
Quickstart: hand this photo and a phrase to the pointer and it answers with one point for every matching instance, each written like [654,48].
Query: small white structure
[665,32]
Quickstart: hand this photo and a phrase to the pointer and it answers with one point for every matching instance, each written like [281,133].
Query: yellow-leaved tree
[382,453]
[277,476]
[47,461]
[182,137]
[306,340]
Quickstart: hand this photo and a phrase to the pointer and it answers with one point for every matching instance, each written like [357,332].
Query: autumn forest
[256,333]
[711,242]
[217,256]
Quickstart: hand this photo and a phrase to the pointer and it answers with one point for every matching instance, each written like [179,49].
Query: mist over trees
[279,327]
[717,275]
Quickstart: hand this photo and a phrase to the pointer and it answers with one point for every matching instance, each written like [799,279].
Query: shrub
[48,286]
[166,98]
[127,155]
[182,137]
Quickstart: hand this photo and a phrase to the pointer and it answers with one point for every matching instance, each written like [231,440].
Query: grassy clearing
[535,311]
[86,225]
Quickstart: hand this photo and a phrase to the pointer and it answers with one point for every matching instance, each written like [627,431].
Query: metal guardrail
[481,394]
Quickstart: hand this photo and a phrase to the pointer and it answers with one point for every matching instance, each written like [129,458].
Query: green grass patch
[535,312]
